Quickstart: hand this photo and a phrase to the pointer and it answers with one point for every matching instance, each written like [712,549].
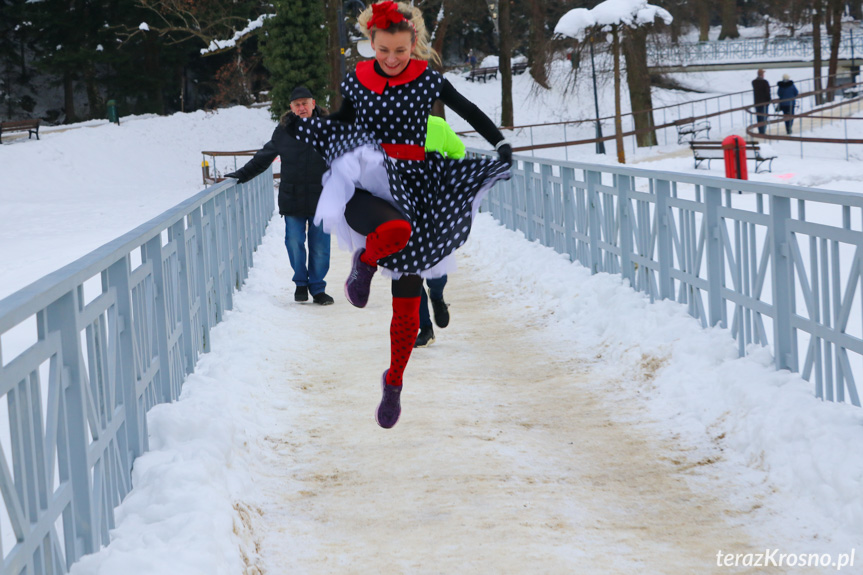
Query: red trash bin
[734,151]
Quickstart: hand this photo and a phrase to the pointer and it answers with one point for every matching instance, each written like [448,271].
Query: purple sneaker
[390,407]
[359,282]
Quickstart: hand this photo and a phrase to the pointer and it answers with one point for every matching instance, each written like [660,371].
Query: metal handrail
[89,348]
[754,258]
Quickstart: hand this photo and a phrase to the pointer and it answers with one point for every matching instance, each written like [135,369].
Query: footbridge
[752,53]
[90,349]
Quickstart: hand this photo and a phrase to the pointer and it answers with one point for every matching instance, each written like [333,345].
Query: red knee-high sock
[403,335]
[387,239]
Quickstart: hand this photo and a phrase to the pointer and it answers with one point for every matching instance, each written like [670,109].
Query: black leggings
[364,213]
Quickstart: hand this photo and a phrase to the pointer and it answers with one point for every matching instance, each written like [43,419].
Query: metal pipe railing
[88,349]
[776,265]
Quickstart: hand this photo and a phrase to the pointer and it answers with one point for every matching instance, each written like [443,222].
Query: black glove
[504,152]
[289,122]
[241,179]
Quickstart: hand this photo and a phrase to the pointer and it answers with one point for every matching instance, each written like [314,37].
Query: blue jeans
[787,110]
[436,286]
[319,253]
[761,114]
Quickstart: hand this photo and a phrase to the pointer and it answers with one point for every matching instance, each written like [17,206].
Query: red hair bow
[384,14]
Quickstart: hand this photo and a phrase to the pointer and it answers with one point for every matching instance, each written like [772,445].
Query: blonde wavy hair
[419,34]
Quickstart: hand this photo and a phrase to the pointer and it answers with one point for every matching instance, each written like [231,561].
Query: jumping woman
[396,207]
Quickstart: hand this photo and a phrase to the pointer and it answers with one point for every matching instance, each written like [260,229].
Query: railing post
[116,278]
[200,254]
[715,260]
[567,177]
[665,252]
[624,186]
[62,316]
[152,252]
[593,179]
[547,203]
[785,355]
[529,198]
[178,236]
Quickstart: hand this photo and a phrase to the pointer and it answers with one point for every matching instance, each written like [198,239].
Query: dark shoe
[425,337]
[302,293]
[359,283]
[441,313]
[322,299]
[390,407]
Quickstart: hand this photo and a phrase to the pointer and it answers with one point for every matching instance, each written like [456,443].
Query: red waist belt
[405,151]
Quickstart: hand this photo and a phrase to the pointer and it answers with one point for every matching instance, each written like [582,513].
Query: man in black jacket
[761,96]
[299,191]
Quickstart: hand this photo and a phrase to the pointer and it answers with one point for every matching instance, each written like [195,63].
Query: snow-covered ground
[595,432]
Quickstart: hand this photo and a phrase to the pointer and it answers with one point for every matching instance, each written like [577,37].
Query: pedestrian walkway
[510,456]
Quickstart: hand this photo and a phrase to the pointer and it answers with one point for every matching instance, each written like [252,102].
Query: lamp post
[600,145]
[493,10]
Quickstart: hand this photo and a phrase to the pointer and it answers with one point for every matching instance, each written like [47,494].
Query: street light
[493,8]
[600,145]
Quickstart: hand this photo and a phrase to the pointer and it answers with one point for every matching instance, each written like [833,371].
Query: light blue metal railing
[87,350]
[778,265]
[750,49]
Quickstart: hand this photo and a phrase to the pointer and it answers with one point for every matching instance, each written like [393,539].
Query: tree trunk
[618,126]
[703,8]
[69,98]
[729,20]
[537,53]
[638,78]
[817,18]
[438,109]
[505,65]
[94,99]
[334,52]
[835,8]
[855,8]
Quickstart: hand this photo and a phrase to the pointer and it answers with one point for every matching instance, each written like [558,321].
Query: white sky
[560,424]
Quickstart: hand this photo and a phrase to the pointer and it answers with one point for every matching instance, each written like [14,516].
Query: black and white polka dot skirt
[438,196]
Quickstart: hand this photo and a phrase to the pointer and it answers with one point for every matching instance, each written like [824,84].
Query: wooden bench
[852,91]
[30,126]
[704,151]
[483,74]
[688,129]
[519,68]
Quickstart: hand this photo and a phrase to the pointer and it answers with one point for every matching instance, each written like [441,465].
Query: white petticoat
[364,167]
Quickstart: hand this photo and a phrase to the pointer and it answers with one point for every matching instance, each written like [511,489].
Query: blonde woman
[395,206]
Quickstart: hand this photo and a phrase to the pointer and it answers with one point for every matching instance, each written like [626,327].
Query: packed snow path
[506,459]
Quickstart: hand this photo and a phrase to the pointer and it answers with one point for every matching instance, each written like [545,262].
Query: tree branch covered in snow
[633,13]
[254,26]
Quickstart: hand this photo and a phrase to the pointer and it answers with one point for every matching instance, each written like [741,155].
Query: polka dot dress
[437,195]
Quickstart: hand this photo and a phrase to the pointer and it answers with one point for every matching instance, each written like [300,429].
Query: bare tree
[729,20]
[177,21]
[638,79]
[618,124]
[334,52]
[834,8]
[817,18]
[703,10]
[505,64]
[538,53]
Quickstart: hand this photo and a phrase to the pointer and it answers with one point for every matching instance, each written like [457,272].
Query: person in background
[299,191]
[442,139]
[761,96]
[786,91]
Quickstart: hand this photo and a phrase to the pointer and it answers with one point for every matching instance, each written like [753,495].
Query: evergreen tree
[295,52]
